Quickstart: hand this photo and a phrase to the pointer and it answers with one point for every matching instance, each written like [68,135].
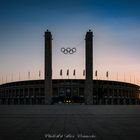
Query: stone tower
[48,67]
[89,68]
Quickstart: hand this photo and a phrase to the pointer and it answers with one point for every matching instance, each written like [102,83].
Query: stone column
[89,68]
[48,67]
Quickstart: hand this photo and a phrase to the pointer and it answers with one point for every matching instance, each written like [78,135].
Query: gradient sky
[115,24]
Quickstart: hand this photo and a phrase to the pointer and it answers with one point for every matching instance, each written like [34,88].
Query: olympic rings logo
[68,50]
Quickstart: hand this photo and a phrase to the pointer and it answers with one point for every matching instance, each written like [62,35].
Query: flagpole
[107,75]
[96,74]
[83,73]
[61,73]
[6,79]
[68,73]
[12,77]
[39,74]
[74,73]
[124,76]
[117,76]
[28,75]
[19,76]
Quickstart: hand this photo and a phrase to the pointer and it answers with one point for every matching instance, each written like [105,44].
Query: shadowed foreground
[41,122]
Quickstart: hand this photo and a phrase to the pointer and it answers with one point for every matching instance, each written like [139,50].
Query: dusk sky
[115,24]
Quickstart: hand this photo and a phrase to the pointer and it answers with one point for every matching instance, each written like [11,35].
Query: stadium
[69,91]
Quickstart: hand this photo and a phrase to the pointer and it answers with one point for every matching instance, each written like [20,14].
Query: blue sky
[116,27]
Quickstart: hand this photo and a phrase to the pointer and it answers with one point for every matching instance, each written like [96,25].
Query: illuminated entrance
[68,95]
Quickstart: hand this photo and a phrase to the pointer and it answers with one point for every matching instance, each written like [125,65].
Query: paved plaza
[69,122]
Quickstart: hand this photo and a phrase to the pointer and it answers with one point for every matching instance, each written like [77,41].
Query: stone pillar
[48,67]
[89,68]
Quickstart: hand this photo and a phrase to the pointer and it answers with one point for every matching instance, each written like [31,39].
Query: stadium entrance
[68,95]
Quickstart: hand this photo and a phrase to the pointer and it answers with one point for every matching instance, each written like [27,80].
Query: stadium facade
[87,91]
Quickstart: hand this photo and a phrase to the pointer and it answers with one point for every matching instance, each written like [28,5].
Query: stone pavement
[69,122]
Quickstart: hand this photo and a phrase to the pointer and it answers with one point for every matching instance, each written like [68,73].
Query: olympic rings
[68,50]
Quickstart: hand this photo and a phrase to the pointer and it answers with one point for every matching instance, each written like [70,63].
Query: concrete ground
[69,122]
